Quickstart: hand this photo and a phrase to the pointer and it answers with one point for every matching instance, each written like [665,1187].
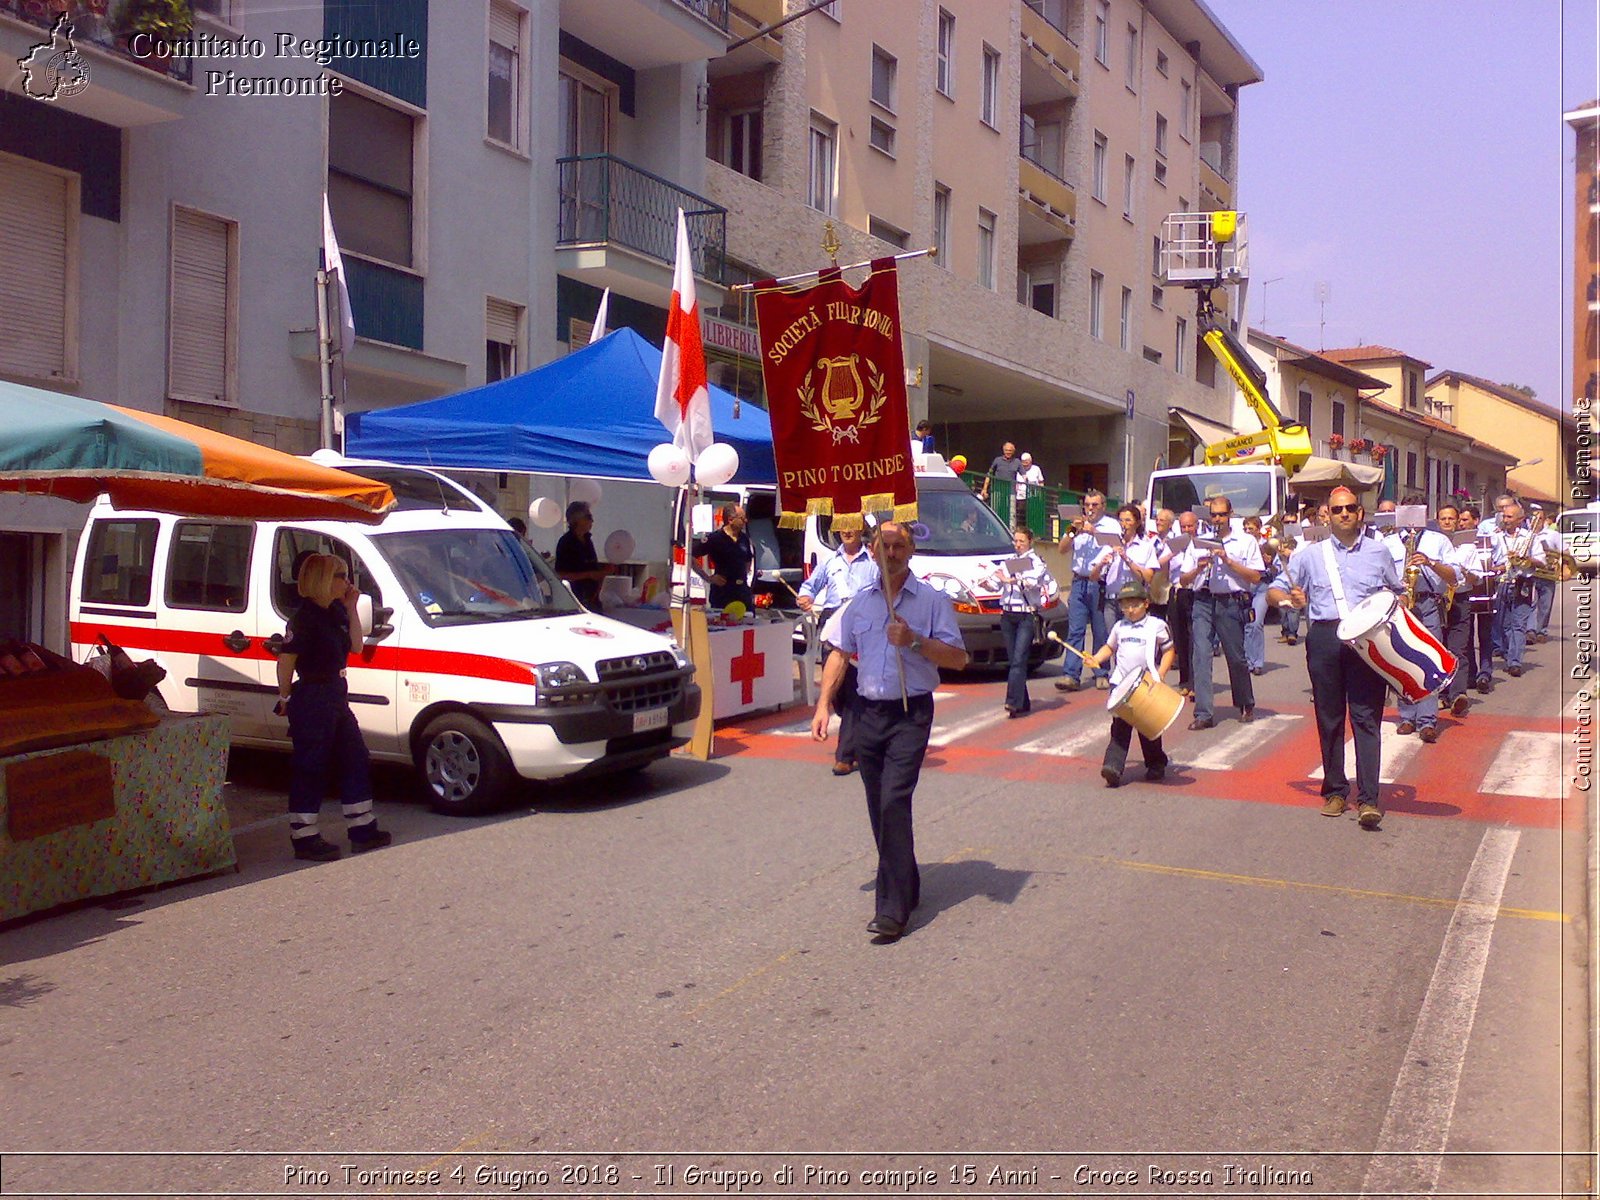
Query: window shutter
[36,207]
[505,25]
[198,322]
[502,321]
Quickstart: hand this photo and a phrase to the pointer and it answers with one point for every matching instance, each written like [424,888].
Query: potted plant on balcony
[1336,441]
[162,22]
[1360,446]
[1379,452]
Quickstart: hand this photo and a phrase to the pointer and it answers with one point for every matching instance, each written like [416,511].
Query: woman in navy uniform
[323,632]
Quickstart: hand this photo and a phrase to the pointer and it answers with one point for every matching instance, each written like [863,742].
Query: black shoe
[372,839]
[1112,777]
[1484,684]
[1459,706]
[887,928]
[1202,723]
[1155,774]
[314,849]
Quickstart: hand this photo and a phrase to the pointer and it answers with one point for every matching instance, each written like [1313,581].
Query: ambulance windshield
[955,522]
[468,576]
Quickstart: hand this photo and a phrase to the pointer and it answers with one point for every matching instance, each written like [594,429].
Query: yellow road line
[744,981]
[1530,914]
[475,1140]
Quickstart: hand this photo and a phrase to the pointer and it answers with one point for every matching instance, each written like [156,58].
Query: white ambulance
[478,667]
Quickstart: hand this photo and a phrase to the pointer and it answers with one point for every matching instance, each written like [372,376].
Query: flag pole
[867,262]
[324,362]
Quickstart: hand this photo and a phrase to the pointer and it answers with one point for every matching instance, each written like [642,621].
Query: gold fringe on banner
[849,520]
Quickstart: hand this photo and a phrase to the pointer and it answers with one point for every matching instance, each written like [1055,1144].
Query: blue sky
[1412,155]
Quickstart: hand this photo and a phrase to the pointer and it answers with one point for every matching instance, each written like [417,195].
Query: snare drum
[1146,703]
[1397,646]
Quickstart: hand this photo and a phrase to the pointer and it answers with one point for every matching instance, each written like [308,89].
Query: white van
[960,541]
[478,666]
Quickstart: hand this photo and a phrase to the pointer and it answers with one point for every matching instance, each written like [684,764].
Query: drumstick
[1056,637]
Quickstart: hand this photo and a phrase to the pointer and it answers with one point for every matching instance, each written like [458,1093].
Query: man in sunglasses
[1340,681]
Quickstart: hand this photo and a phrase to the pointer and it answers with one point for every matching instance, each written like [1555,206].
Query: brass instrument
[1560,567]
[1412,574]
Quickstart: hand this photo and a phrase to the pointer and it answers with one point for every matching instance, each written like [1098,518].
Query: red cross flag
[683,401]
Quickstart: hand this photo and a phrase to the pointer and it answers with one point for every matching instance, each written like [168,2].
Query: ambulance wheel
[462,764]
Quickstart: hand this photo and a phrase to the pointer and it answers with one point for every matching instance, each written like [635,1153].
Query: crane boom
[1290,443]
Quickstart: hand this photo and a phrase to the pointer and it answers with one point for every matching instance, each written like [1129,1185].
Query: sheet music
[1205,543]
[1178,543]
[1108,539]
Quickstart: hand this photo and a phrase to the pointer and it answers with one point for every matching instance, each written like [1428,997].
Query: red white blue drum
[1397,646]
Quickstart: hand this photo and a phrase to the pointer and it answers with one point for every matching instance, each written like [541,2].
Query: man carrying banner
[902,631]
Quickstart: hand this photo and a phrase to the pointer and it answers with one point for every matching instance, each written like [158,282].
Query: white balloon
[619,546]
[586,490]
[718,463]
[669,465]
[545,513]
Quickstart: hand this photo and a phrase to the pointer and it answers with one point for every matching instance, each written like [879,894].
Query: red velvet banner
[836,395]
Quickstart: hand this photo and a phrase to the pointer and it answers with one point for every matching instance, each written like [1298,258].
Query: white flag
[599,330]
[334,265]
[683,399]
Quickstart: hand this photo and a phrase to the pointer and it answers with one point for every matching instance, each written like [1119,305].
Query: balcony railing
[1054,14]
[91,24]
[715,11]
[603,199]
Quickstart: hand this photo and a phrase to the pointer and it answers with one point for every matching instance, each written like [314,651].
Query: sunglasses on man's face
[1344,508]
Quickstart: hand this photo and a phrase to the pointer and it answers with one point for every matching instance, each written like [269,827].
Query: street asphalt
[669,973]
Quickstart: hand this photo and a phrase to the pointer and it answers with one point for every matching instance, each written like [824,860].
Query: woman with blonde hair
[323,632]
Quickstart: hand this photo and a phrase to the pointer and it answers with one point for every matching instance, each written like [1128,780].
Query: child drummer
[1139,642]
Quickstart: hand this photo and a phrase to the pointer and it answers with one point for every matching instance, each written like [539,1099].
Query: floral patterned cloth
[170,822]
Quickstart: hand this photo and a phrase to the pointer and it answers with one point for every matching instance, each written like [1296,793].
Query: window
[944,78]
[1126,336]
[1100,167]
[583,123]
[1161,172]
[1130,75]
[505,74]
[986,226]
[1102,24]
[120,562]
[39,211]
[1161,135]
[1128,168]
[892,234]
[1185,109]
[883,72]
[202,308]
[741,142]
[502,325]
[1455,477]
[1097,291]
[210,566]
[287,548]
[941,225]
[1041,143]
[1303,401]
[1155,256]
[1162,63]
[1338,417]
[1411,468]
[820,191]
[991,88]
[1158,297]
[1180,347]
[830,9]
[1036,287]
[1411,389]
[1152,355]
[371,177]
[881,136]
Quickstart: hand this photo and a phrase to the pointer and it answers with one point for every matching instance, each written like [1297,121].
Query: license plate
[650,718]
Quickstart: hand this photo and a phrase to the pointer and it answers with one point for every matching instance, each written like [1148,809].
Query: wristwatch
[916,642]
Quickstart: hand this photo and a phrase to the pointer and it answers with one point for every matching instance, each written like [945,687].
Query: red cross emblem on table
[746,667]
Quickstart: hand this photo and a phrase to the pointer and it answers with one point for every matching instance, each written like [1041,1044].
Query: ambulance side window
[120,562]
[290,549]
[209,566]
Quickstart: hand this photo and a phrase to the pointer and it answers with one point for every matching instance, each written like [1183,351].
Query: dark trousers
[890,745]
[844,703]
[1222,614]
[1122,738]
[1341,682]
[1458,640]
[1016,630]
[1480,640]
[1181,605]
[327,742]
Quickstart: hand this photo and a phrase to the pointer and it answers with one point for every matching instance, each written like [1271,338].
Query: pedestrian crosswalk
[1476,764]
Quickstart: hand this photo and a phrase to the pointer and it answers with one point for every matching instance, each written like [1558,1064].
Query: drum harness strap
[1334,582]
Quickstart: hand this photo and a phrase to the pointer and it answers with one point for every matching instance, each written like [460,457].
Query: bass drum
[1397,646]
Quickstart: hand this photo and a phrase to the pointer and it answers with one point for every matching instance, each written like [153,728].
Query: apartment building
[1542,442]
[1036,147]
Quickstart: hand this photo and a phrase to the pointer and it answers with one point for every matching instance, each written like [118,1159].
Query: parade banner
[836,395]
